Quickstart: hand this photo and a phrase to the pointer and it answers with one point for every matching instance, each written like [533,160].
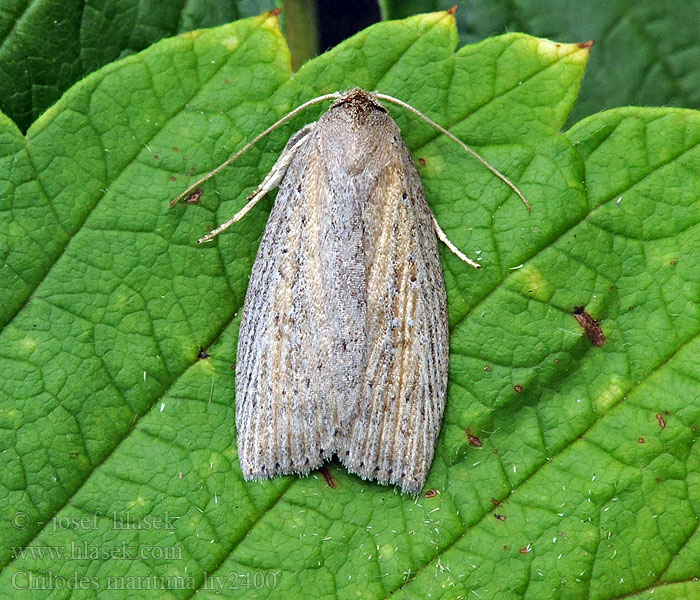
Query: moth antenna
[454,138]
[255,140]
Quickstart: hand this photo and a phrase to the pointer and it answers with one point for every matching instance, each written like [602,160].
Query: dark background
[339,20]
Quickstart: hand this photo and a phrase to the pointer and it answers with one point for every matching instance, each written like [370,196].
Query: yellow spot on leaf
[11,419]
[609,397]
[27,344]
[231,42]
[530,282]
[214,460]
[271,23]
[205,365]
[386,551]
[211,464]
[193,35]
[555,51]
[139,501]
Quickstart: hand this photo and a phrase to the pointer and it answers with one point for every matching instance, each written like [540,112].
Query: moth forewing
[393,437]
[301,345]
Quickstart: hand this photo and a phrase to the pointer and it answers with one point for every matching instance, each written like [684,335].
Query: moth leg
[442,236]
[271,181]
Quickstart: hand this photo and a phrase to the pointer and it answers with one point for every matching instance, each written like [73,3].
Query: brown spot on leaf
[431,493]
[662,422]
[590,326]
[194,197]
[473,440]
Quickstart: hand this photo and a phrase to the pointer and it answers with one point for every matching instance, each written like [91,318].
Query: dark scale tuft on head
[359,101]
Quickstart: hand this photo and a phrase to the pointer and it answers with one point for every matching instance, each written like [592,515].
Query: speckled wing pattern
[343,346]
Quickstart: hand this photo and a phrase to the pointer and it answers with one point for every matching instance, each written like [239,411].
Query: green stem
[301,30]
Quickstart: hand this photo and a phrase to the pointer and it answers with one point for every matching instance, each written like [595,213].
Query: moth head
[359,101]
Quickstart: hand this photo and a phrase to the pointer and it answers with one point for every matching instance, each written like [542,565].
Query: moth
[344,343]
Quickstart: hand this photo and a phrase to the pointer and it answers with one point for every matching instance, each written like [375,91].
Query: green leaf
[108,412]
[646,52]
[48,45]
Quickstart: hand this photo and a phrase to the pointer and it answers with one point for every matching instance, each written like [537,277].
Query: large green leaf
[108,409]
[48,45]
[647,52]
